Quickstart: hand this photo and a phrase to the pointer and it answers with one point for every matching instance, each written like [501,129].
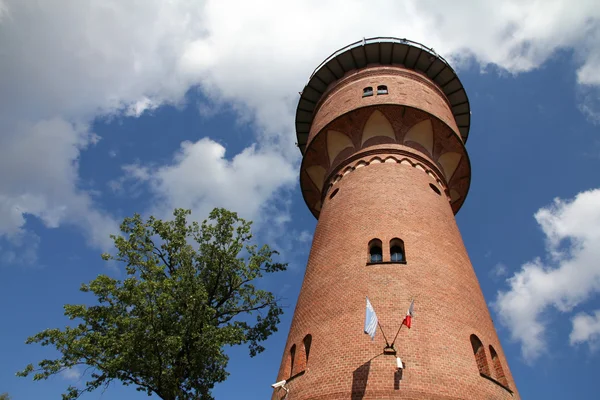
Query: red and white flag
[409,314]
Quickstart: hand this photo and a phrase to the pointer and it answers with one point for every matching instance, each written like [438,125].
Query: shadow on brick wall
[397,379]
[360,376]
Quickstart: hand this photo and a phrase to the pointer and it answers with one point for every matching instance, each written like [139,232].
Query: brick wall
[405,87]
[386,201]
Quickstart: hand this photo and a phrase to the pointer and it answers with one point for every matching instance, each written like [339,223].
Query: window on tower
[292,357]
[368,91]
[480,357]
[498,371]
[397,251]
[307,342]
[382,89]
[375,251]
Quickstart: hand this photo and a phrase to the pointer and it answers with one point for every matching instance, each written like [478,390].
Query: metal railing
[364,42]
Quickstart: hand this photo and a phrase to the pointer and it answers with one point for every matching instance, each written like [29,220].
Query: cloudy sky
[110,107]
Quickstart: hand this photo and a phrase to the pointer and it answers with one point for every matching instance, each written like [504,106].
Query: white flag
[370,320]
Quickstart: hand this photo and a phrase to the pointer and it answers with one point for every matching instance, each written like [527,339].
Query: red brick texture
[405,87]
[480,356]
[497,365]
[402,118]
[388,200]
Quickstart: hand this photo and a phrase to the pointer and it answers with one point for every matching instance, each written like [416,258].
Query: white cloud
[139,107]
[589,103]
[66,62]
[200,177]
[22,251]
[586,328]
[305,237]
[498,270]
[281,42]
[567,276]
[71,374]
[38,177]
[255,183]
[88,58]
[3,10]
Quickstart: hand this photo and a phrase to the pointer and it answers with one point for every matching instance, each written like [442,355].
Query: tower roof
[382,51]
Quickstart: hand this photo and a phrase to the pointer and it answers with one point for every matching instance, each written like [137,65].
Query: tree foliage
[4,396]
[188,293]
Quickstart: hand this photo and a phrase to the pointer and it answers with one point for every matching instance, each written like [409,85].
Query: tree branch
[232,314]
[161,255]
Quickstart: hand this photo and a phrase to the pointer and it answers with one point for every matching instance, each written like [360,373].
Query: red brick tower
[382,125]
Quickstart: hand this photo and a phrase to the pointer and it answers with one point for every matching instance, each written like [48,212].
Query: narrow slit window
[382,89]
[375,251]
[292,356]
[397,251]
[307,342]
[368,91]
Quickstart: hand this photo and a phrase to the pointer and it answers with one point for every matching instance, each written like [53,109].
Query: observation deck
[382,51]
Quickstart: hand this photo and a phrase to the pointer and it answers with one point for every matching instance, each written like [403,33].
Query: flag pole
[395,337]
[402,323]
[383,333]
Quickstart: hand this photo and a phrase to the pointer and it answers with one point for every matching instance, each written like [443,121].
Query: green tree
[4,396]
[188,293]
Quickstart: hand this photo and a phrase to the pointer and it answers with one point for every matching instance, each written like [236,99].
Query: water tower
[382,126]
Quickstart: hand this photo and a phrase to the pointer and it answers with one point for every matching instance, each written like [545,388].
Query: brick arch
[377,126]
[375,247]
[336,142]
[422,134]
[498,370]
[376,160]
[442,152]
[397,244]
[480,357]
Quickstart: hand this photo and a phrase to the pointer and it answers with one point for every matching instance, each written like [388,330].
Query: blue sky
[109,108]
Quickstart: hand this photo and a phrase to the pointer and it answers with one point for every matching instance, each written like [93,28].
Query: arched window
[498,371]
[375,251]
[397,251]
[292,356]
[480,358]
[368,91]
[382,89]
[307,342]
